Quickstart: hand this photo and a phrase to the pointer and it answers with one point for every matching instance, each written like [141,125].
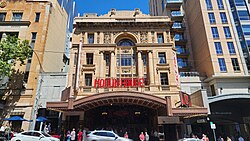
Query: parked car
[33,136]
[189,139]
[104,135]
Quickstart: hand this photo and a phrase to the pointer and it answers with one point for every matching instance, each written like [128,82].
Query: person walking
[241,138]
[228,139]
[146,136]
[79,135]
[126,135]
[73,135]
[141,137]
[68,136]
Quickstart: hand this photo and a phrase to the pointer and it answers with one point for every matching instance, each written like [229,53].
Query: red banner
[116,83]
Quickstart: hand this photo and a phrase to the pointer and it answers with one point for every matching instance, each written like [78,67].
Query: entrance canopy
[110,98]
[126,98]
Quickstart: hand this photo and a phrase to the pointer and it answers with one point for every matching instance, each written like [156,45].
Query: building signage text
[116,83]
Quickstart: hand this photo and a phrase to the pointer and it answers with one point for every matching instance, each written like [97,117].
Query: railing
[174,1]
[177,25]
[189,74]
[177,13]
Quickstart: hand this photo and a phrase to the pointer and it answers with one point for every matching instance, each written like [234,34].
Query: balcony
[178,26]
[177,15]
[174,3]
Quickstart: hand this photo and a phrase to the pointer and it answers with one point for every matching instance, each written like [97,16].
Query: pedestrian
[79,135]
[68,136]
[204,137]
[241,138]
[146,136]
[73,135]
[220,138]
[228,139]
[126,135]
[141,137]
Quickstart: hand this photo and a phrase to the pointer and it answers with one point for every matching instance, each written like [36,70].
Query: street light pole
[37,95]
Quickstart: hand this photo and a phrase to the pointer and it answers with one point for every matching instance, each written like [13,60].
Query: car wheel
[18,140]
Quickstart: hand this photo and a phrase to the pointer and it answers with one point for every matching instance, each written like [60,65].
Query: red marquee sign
[116,83]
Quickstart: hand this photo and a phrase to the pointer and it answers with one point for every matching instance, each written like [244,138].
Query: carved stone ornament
[144,37]
[107,38]
[3,4]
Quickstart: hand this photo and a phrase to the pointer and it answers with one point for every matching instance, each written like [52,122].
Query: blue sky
[103,6]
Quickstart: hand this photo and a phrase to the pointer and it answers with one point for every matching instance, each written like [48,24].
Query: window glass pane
[88,79]
[246,29]
[17,16]
[209,4]
[182,62]
[220,4]
[235,64]
[37,17]
[227,32]
[162,58]
[222,64]
[89,58]
[223,17]
[180,49]
[230,46]
[90,38]
[218,48]
[239,3]
[215,32]
[211,18]
[164,78]
[126,42]
[160,38]
[2,17]
[244,15]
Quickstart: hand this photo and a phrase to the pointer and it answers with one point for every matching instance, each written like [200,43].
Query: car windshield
[46,135]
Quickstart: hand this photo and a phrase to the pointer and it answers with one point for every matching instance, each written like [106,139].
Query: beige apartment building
[124,76]
[217,54]
[43,23]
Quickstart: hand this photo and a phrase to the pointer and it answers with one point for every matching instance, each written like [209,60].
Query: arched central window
[126,42]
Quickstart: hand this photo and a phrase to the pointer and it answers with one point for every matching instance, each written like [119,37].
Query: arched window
[126,42]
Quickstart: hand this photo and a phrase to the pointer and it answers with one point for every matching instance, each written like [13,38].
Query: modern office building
[218,34]
[124,76]
[44,24]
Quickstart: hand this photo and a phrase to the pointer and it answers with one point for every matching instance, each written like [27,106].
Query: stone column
[95,37]
[165,37]
[155,36]
[101,37]
[113,65]
[140,64]
[169,106]
[151,67]
[102,66]
[85,38]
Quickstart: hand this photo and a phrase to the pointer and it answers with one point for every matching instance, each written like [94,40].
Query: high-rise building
[218,31]
[123,76]
[44,24]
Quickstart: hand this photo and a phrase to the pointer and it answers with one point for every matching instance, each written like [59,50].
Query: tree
[13,50]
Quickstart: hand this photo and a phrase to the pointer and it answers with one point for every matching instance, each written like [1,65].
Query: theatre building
[124,76]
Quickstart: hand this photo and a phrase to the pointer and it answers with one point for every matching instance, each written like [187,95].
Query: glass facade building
[240,13]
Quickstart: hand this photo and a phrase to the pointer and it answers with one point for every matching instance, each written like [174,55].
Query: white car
[189,139]
[104,135]
[33,136]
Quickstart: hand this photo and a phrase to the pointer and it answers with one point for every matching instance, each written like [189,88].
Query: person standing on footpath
[79,135]
[126,135]
[141,137]
[73,135]
[146,136]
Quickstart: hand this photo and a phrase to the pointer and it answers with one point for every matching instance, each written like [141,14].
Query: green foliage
[13,50]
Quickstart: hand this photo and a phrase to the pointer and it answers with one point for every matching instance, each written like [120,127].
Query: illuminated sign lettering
[116,83]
